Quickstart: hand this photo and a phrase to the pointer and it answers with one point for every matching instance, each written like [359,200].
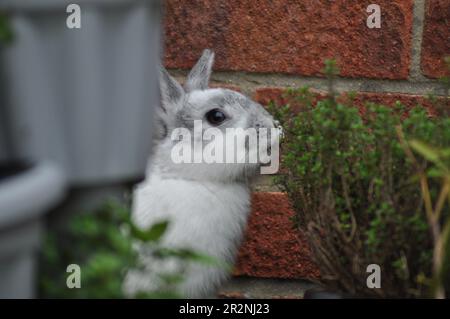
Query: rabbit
[207,205]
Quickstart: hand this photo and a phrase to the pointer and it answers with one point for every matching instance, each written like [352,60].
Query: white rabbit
[207,204]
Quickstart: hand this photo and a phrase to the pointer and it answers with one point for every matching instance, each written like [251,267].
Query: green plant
[352,187]
[440,169]
[103,243]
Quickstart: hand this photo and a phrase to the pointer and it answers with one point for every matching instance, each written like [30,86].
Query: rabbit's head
[219,111]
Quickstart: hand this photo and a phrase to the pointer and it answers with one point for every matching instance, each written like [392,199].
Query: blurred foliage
[103,244]
[6,33]
[356,193]
[440,228]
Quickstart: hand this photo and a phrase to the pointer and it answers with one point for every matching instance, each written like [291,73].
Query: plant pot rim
[11,5]
[29,193]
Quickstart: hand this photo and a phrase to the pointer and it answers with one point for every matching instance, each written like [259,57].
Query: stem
[432,216]
[441,200]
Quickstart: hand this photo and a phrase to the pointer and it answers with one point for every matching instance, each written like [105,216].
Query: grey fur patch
[229,98]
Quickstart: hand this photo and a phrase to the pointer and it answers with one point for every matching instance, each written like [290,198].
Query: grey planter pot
[24,197]
[83,98]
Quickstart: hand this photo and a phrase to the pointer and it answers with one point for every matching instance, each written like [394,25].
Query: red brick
[280,96]
[290,36]
[225,86]
[389,99]
[276,94]
[436,38]
[272,247]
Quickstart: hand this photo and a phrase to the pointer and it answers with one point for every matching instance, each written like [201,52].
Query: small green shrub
[356,193]
[103,243]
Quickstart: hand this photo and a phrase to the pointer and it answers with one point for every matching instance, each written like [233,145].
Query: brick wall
[265,46]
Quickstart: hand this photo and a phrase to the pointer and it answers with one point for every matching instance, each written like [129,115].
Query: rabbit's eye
[215,117]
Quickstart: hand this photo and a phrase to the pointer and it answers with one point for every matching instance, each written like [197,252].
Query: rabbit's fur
[207,204]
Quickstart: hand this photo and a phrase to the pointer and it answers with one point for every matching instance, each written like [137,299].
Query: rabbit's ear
[198,78]
[172,94]
[171,91]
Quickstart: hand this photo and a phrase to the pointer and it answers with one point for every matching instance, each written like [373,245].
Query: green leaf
[445,152]
[202,258]
[153,234]
[190,255]
[434,172]
[331,68]
[425,150]
[172,279]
